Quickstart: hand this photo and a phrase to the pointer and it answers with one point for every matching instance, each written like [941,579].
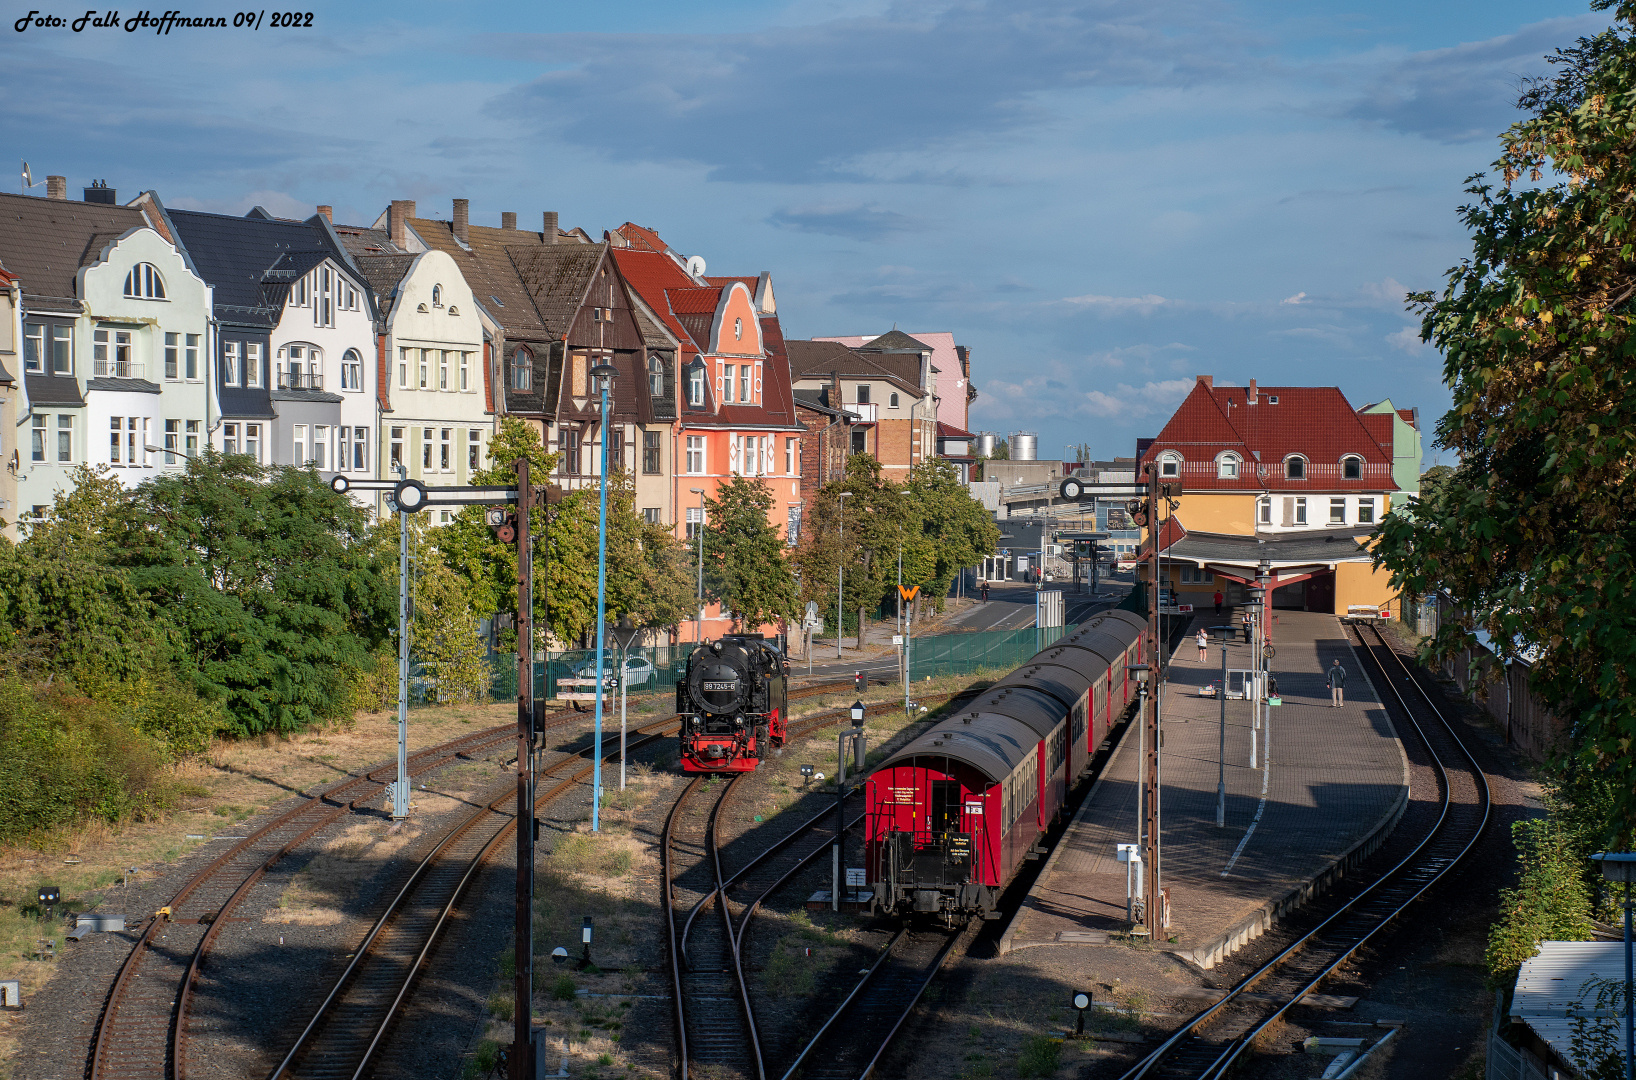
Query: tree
[746,566]
[948,529]
[875,523]
[1531,532]
[445,635]
[276,583]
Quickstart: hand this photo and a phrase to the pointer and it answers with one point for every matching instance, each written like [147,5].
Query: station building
[1289,480]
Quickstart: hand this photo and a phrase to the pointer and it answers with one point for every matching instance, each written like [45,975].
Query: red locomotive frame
[733,701]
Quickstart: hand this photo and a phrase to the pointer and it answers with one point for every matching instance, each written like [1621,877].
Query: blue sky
[1103,199]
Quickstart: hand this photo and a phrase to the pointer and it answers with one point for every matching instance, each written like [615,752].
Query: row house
[935,362]
[433,386]
[294,358]
[11,333]
[736,414]
[1290,479]
[881,383]
[115,330]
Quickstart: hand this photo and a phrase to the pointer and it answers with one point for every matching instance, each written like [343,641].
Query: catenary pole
[400,797]
[601,613]
[523,981]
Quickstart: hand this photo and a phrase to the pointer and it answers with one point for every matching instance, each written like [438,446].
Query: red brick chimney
[56,187]
[1252,394]
[462,218]
[328,212]
[397,221]
[1209,381]
[835,390]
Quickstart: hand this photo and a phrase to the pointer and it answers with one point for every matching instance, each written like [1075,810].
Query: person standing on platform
[1245,619]
[1218,601]
[1337,685]
[1204,645]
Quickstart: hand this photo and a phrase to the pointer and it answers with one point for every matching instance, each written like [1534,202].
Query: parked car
[639,670]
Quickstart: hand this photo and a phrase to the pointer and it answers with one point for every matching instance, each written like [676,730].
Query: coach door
[945,808]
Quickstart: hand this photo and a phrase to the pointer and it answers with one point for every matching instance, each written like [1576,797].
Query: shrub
[563,989]
[1041,1056]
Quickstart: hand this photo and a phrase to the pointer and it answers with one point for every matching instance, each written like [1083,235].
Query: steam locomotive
[734,703]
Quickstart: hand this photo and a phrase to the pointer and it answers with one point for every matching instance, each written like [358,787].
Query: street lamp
[1224,634]
[1621,866]
[698,623]
[856,737]
[604,374]
[840,581]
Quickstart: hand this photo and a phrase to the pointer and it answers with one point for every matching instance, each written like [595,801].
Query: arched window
[1170,463]
[300,367]
[892,402]
[437,296]
[1352,468]
[738,329]
[522,369]
[1227,466]
[1295,467]
[695,383]
[144,283]
[656,377]
[352,370]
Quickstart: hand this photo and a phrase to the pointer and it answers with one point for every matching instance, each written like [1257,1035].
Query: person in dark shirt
[1218,601]
[1337,685]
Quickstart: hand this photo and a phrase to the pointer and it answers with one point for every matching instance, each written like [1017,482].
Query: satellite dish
[695,266]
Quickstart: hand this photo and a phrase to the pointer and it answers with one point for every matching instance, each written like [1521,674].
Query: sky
[1102,199]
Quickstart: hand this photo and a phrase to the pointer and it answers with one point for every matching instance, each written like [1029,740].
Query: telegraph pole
[522,1067]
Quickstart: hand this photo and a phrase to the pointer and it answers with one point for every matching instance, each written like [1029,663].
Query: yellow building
[1289,482]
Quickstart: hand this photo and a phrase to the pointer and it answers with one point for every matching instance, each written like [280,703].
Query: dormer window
[656,377]
[1295,467]
[1352,468]
[1227,466]
[522,369]
[695,383]
[437,296]
[1170,463]
[144,283]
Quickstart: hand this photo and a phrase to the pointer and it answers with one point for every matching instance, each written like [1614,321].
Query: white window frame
[173,441]
[695,455]
[1337,510]
[465,372]
[443,369]
[360,449]
[352,370]
[252,442]
[395,449]
[144,282]
[230,437]
[190,356]
[728,370]
[1352,459]
[1366,511]
[744,378]
[522,370]
[1170,464]
[1228,466]
[695,387]
[253,367]
[792,456]
[474,450]
[230,363]
[299,456]
[445,444]
[1300,515]
[1292,460]
[191,446]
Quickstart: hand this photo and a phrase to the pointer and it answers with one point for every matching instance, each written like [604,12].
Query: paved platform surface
[1335,782]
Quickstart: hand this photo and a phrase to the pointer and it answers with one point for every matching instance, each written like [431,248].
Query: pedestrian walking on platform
[1337,685]
[985,592]
[1218,601]
[1204,643]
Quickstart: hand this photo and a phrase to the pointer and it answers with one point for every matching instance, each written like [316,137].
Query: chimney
[397,221]
[508,219]
[835,390]
[328,212]
[1209,381]
[100,192]
[550,226]
[462,218]
[1252,394]
[56,187]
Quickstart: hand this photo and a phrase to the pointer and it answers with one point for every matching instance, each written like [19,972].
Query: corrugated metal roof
[1552,984]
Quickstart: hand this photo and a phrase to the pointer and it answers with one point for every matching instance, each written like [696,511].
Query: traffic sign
[909,593]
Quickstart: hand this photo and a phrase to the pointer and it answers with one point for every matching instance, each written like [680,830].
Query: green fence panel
[962,654]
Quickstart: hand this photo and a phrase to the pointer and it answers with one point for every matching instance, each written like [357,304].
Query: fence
[652,669]
[961,654]
[1506,1062]
[1502,689]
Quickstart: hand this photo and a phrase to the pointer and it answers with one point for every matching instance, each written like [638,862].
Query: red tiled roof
[949,431]
[641,239]
[1170,533]
[694,300]
[7,277]
[652,274]
[1407,415]
[750,283]
[1315,422]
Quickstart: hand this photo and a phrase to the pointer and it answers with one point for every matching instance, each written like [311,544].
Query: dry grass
[320,893]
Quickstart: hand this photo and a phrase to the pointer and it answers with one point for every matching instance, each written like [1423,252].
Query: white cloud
[1145,400]
[1407,339]
[1118,305]
[1298,298]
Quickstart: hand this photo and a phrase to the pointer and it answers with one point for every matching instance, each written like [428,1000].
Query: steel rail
[357,1053]
[1397,889]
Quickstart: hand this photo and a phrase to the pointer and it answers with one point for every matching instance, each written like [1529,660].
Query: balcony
[300,380]
[868,411]
[117,369]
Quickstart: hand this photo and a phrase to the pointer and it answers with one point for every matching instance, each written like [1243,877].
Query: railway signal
[1082,1001]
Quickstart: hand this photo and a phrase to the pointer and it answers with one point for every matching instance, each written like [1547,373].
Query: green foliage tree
[875,522]
[948,529]
[1550,902]
[746,562]
[1531,532]
[275,582]
[445,637]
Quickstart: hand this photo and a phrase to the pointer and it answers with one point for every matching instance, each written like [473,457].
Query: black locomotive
[734,702]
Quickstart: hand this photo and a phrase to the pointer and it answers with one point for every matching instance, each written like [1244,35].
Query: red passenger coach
[952,815]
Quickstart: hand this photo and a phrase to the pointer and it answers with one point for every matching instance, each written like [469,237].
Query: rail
[1298,970]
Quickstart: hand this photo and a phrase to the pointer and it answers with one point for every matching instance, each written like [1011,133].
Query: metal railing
[300,380]
[118,369]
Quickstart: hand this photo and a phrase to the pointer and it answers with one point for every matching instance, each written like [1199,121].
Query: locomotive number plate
[974,808]
[710,687]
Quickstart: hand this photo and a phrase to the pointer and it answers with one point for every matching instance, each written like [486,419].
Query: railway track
[351,1024]
[1207,1045]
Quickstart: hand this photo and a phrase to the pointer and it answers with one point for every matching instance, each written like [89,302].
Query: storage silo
[985,443]
[1025,446]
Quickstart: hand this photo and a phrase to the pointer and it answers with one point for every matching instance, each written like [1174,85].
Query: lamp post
[1225,633]
[604,375]
[698,623]
[1621,866]
[1147,838]
[840,581]
[840,795]
[400,790]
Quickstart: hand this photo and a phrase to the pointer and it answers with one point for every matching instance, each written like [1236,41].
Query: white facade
[439,425]
[322,375]
[139,356]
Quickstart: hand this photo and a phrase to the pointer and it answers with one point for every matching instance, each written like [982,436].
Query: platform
[1337,782]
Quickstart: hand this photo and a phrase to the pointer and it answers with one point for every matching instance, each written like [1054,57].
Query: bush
[1550,903]
[65,759]
[563,989]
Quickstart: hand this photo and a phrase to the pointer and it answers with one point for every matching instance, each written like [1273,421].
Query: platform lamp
[1621,866]
[856,735]
[604,374]
[1141,673]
